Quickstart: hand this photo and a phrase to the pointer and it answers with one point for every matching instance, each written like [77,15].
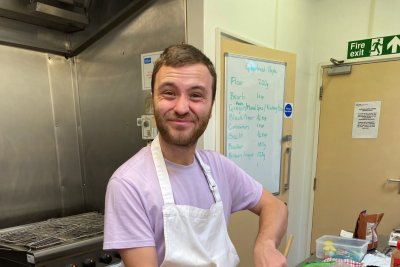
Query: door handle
[391,180]
[288,151]
[288,157]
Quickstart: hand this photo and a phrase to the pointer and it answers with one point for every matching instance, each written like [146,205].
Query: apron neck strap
[163,177]
[210,180]
[162,173]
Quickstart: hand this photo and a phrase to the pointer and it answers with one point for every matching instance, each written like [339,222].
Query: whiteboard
[254,100]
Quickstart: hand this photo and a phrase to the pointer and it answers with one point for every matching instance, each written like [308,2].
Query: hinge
[315,183]
[321,92]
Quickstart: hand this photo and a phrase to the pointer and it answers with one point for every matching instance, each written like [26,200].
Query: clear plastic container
[329,246]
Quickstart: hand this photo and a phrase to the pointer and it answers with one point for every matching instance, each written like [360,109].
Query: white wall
[315,30]
[281,25]
[342,21]
[339,22]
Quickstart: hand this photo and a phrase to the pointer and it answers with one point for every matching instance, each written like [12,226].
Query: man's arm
[273,223]
[139,257]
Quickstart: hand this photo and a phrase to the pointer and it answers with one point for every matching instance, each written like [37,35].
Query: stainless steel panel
[51,14]
[63,27]
[20,34]
[67,124]
[66,241]
[59,15]
[110,94]
[39,150]
[29,188]
[62,87]
[105,16]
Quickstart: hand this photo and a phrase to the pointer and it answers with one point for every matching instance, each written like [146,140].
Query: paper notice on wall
[147,63]
[366,119]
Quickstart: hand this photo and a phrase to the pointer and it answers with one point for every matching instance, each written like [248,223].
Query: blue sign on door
[288,110]
[147,60]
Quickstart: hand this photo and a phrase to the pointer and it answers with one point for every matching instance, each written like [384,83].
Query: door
[243,227]
[352,173]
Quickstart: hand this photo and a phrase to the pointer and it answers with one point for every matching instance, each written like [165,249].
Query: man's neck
[183,155]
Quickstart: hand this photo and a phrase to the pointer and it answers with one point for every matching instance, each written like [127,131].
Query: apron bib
[193,236]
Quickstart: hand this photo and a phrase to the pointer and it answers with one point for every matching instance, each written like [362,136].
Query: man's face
[182,103]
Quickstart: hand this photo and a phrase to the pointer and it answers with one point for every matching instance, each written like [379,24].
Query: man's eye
[168,93]
[196,95]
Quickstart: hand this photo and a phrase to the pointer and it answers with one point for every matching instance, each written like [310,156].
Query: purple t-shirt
[133,205]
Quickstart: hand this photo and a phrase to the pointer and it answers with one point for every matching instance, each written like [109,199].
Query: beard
[181,138]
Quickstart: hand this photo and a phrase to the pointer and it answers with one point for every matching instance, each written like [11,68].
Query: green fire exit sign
[374,47]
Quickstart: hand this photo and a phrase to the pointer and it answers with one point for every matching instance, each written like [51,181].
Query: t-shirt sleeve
[126,224]
[244,191]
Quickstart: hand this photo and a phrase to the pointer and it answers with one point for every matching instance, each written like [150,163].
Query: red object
[395,262]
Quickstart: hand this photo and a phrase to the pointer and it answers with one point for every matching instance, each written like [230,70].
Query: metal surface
[67,17]
[29,188]
[288,151]
[39,151]
[104,17]
[110,94]
[18,34]
[63,27]
[50,14]
[287,159]
[339,70]
[392,180]
[52,232]
[67,124]
[56,242]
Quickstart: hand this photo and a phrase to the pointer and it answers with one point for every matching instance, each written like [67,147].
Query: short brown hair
[181,55]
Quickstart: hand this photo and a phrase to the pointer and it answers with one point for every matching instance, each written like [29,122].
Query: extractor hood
[64,27]
[63,15]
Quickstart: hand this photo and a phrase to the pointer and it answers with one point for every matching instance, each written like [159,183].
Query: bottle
[395,262]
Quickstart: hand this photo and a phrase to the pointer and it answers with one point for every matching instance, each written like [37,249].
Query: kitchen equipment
[394,237]
[68,241]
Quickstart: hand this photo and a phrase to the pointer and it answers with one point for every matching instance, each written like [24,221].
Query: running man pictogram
[376,46]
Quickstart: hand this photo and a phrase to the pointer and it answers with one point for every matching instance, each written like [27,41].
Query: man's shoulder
[210,154]
[137,176]
[214,158]
[138,164]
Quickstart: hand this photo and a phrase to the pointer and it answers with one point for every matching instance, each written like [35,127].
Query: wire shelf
[55,231]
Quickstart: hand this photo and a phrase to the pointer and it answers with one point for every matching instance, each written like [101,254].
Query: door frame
[221,33]
[293,212]
[321,67]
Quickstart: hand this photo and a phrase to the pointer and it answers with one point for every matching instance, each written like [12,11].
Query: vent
[62,15]
[64,27]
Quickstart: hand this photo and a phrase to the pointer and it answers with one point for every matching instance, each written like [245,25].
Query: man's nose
[182,105]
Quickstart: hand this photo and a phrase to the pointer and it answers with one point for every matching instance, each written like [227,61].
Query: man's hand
[266,255]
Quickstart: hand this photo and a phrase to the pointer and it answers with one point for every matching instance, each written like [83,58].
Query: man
[169,205]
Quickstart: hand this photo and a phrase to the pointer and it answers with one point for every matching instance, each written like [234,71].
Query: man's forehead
[199,71]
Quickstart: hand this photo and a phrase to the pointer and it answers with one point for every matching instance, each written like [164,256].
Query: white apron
[193,236]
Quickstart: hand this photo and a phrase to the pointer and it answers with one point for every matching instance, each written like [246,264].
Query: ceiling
[64,27]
